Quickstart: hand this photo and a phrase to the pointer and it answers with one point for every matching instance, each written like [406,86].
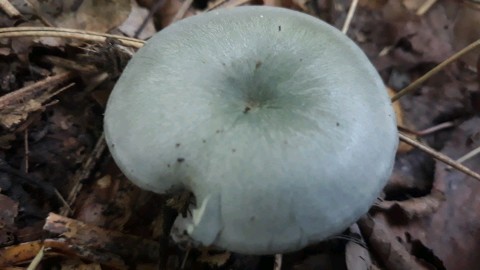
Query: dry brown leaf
[357,257]
[21,253]
[425,39]
[94,15]
[391,252]
[214,260]
[415,207]
[93,243]
[108,203]
[452,232]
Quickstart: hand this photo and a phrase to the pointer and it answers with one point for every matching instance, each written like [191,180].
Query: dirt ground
[64,202]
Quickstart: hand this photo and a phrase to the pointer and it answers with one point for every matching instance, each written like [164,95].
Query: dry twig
[10,32]
[439,156]
[9,9]
[350,14]
[84,173]
[435,70]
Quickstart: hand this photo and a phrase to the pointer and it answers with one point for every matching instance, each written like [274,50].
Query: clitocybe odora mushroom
[277,122]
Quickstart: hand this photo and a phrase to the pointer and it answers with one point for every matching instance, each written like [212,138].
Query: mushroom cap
[276,121]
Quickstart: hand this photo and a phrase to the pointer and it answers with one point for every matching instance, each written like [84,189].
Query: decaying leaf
[18,254]
[90,242]
[214,260]
[392,253]
[415,207]
[357,256]
[452,232]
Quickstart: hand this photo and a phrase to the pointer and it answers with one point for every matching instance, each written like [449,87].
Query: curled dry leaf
[425,39]
[93,15]
[214,260]
[389,250]
[415,207]
[93,243]
[108,203]
[357,256]
[18,254]
[452,232]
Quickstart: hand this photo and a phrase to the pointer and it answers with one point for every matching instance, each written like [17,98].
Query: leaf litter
[51,143]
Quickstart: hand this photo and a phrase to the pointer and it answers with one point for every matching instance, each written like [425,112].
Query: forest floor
[64,202]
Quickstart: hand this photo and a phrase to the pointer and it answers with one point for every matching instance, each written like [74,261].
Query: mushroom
[275,121]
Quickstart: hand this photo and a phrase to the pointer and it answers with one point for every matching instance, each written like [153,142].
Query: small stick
[25,142]
[83,173]
[435,70]
[429,130]
[36,261]
[350,14]
[34,89]
[438,156]
[467,156]
[9,9]
[10,32]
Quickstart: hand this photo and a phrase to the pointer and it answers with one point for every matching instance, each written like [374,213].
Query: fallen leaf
[214,260]
[392,253]
[452,232]
[94,15]
[357,256]
[415,207]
